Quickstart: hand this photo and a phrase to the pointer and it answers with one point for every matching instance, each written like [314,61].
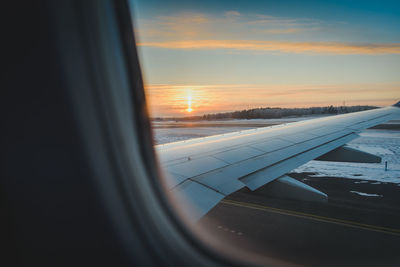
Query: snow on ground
[171,123]
[384,143]
[366,194]
[173,131]
[168,135]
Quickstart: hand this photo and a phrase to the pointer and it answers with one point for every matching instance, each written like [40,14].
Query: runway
[349,230]
[368,227]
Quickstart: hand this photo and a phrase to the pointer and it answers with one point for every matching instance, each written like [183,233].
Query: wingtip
[397,104]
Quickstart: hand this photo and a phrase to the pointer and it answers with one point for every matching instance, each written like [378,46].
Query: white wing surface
[202,171]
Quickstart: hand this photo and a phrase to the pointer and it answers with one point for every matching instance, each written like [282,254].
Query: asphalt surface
[348,230]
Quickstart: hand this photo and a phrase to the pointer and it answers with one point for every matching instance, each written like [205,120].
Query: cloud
[232,13]
[187,25]
[338,48]
[279,31]
[238,32]
[266,20]
[229,25]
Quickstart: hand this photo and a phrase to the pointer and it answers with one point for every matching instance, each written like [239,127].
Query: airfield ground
[349,230]
[358,226]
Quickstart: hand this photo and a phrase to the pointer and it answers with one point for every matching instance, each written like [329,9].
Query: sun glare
[189,104]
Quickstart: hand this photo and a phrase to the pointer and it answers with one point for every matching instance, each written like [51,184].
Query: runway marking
[226,229]
[303,215]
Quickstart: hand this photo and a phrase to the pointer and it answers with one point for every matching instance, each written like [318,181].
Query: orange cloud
[283,46]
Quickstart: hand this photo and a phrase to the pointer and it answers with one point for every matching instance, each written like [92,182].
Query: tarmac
[351,229]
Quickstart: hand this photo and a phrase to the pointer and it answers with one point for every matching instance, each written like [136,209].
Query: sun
[189,104]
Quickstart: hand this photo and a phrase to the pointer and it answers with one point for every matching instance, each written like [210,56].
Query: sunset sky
[206,56]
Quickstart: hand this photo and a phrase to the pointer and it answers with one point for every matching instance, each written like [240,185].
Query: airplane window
[276,124]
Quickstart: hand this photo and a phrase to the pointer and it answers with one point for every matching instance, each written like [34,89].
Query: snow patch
[366,194]
[384,143]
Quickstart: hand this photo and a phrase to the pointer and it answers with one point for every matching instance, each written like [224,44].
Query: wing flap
[270,173]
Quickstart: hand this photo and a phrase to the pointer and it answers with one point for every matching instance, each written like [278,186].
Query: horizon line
[226,112]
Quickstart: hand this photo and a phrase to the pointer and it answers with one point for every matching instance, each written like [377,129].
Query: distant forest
[271,113]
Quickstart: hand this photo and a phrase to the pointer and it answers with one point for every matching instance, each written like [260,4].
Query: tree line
[273,113]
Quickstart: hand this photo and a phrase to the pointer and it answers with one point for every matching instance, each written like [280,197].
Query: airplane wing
[202,171]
